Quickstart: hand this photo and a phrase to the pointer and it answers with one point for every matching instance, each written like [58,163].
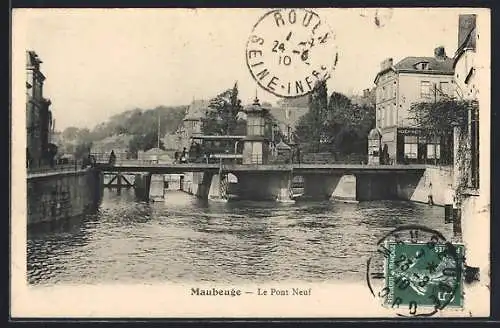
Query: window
[425,88]
[433,151]
[422,65]
[411,147]
[433,148]
[443,86]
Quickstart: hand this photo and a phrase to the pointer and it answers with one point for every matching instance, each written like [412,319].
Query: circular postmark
[416,271]
[289,50]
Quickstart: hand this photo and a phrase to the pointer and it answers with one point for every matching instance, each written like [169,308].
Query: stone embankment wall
[436,183]
[61,195]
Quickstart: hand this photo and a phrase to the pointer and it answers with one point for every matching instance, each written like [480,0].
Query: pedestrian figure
[385,155]
[184,155]
[112,158]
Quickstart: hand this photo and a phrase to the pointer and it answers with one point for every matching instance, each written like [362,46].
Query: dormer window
[422,66]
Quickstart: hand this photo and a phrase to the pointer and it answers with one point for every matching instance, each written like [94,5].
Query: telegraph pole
[158,142]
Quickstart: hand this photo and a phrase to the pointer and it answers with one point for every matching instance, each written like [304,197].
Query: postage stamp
[423,273]
[289,50]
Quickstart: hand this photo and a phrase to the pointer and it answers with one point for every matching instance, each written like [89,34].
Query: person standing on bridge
[112,158]
[184,155]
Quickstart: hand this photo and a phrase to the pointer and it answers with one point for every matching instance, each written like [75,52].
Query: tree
[311,126]
[83,135]
[337,125]
[349,124]
[82,150]
[144,142]
[438,119]
[304,131]
[221,119]
[70,133]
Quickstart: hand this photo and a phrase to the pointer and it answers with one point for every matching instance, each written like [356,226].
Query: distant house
[368,98]
[117,143]
[287,117]
[155,155]
[191,125]
[195,114]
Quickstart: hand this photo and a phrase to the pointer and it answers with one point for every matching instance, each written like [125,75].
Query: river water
[186,239]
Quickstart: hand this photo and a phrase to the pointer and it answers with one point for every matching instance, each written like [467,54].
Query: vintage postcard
[245,163]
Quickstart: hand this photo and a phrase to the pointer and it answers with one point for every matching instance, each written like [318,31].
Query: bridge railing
[69,167]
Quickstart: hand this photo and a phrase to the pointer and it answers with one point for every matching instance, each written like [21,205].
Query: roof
[435,65]
[283,146]
[196,110]
[255,107]
[154,150]
[408,65]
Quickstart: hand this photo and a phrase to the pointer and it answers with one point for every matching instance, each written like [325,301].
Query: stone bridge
[345,182]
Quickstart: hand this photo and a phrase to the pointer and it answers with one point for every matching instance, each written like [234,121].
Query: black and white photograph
[250,162]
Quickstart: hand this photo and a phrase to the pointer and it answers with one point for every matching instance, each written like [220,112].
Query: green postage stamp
[424,275]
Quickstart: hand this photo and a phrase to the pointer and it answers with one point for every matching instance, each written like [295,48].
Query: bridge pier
[142,184]
[333,186]
[270,186]
[376,187]
[285,192]
[218,187]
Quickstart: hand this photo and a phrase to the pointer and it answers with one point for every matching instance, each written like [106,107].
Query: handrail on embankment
[56,169]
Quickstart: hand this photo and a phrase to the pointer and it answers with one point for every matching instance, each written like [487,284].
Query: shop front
[420,146]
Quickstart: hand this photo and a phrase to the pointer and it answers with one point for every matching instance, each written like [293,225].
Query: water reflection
[185,239]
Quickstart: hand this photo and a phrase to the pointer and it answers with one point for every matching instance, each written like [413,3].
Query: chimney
[366,93]
[440,53]
[465,24]
[387,63]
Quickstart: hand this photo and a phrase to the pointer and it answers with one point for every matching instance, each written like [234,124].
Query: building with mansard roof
[398,87]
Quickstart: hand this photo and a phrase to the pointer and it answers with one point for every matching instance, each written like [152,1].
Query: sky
[100,62]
